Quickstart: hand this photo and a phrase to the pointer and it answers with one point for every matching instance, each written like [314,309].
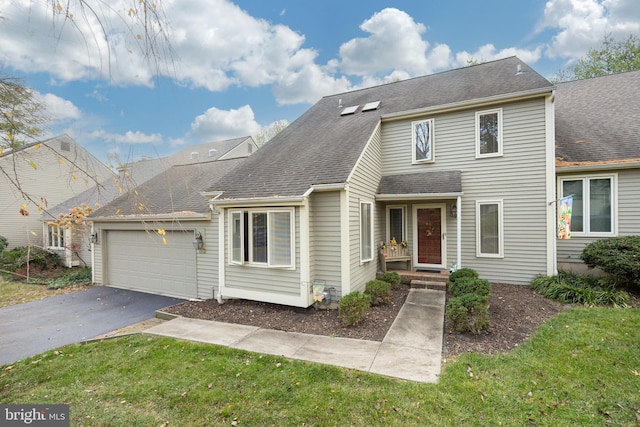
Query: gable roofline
[455,106]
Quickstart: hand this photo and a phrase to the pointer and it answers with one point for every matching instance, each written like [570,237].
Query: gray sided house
[145,238]
[598,159]
[459,165]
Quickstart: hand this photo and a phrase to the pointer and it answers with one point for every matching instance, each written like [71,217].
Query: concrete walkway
[411,349]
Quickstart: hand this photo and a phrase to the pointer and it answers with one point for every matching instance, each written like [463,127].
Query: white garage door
[139,260]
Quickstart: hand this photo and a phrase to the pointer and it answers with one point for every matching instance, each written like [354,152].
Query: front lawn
[580,368]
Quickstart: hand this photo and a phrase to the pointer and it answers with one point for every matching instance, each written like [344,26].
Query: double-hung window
[366,231]
[593,208]
[55,237]
[489,133]
[262,237]
[489,229]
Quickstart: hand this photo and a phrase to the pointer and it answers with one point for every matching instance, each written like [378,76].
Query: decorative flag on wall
[564,217]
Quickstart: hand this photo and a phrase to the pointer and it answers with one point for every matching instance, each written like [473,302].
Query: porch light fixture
[93,238]
[454,210]
[198,243]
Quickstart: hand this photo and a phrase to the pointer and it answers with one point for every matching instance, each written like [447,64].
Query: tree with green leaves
[612,56]
[268,132]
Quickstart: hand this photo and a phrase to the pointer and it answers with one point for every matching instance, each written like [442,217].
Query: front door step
[425,284]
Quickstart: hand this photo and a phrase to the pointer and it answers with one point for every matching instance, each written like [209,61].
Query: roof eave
[597,166]
[159,217]
[417,196]
[519,96]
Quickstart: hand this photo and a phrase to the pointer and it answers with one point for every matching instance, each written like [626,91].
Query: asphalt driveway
[38,326]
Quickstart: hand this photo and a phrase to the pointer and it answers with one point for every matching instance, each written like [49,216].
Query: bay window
[262,237]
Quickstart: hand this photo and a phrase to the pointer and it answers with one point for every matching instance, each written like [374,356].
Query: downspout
[459,233]
[221,271]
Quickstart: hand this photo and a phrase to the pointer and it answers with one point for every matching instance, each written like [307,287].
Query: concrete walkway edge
[411,350]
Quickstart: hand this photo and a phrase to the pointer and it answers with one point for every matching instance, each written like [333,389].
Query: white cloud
[395,42]
[128,137]
[57,109]
[218,125]
[489,52]
[582,24]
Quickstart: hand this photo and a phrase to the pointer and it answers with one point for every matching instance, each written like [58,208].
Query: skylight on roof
[371,106]
[349,110]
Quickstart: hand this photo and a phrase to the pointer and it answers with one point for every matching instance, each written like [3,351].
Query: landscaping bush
[3,244]
[463,272]
[18,257]
[392,277]
[470,285]
[353,308]
[617,256]
[379,291]
[573,289]
[469,313]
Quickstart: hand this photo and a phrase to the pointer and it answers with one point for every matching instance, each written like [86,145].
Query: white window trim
[61,233]
[432,159]
[404,221]
[500,125]
[586,200]
[251,263]
[500,253]
[371,219]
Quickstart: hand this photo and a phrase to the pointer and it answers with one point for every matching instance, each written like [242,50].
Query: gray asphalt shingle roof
[598,119]
[177,190]
[442,182]
[322,147]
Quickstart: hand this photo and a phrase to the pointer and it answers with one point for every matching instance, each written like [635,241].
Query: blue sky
[240,66]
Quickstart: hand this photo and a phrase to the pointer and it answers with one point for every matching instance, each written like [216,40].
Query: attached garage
[139,260]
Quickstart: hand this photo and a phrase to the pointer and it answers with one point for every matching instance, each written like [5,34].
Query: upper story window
[594,208]
[489,133]
[262,237]
[55,237]
[422,139]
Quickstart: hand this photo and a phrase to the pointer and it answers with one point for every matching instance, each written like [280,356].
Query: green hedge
[379,291]
[618,256]
[469,313]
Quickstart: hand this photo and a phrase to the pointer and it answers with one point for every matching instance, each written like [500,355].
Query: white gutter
[417,196]
[598,166]
[162,217]
[459,232]
[467,104]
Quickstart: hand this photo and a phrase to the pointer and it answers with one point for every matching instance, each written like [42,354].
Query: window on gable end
[489,133]
[422,140]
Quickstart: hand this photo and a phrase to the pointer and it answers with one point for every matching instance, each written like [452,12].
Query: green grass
[18,292]
[580,368]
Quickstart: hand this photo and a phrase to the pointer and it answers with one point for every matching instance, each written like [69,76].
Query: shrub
[18,257]
[617,256]
[470,285]
[379,291]
[391,277]
[573,289]
[469,313]
[3,244]
[353,308]
[463,272]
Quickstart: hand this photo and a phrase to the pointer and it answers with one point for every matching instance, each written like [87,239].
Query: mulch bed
[515,311]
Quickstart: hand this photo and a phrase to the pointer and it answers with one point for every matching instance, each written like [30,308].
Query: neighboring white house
[51,172]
